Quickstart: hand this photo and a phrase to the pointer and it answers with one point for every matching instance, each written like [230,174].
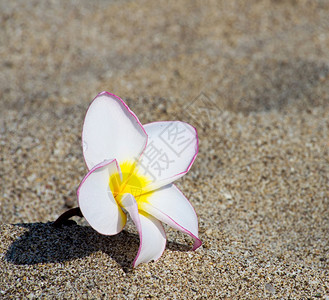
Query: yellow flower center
[132,182]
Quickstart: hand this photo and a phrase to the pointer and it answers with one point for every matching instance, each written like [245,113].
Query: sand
[252,76]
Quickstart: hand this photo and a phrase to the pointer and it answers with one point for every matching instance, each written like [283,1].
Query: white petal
[96,201]
[170,206]
[170,152]
[151,233]
[110,130]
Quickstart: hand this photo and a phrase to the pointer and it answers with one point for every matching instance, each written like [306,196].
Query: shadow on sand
[43,243]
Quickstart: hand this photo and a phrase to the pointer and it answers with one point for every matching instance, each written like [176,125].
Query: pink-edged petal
[151,233]
[96,200]
[110,130]
[170,206]
[170,152]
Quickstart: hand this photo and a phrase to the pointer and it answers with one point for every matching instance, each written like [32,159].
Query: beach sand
[251,76]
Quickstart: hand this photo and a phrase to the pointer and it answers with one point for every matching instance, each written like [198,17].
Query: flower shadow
[43,243]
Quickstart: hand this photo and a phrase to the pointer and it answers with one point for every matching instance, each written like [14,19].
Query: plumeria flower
[131,170]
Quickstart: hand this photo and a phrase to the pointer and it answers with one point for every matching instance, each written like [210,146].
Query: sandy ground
[252,76]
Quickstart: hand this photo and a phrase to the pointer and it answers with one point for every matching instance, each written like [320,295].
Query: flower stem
[64,218]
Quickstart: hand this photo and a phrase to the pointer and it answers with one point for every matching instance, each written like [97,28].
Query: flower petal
[151,233]
[110,130]
[170,152]
[96,201]
[170,206]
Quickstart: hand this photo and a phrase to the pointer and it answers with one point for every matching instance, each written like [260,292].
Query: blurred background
[246,55]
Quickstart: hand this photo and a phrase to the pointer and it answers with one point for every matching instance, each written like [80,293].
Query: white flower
[131,169]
